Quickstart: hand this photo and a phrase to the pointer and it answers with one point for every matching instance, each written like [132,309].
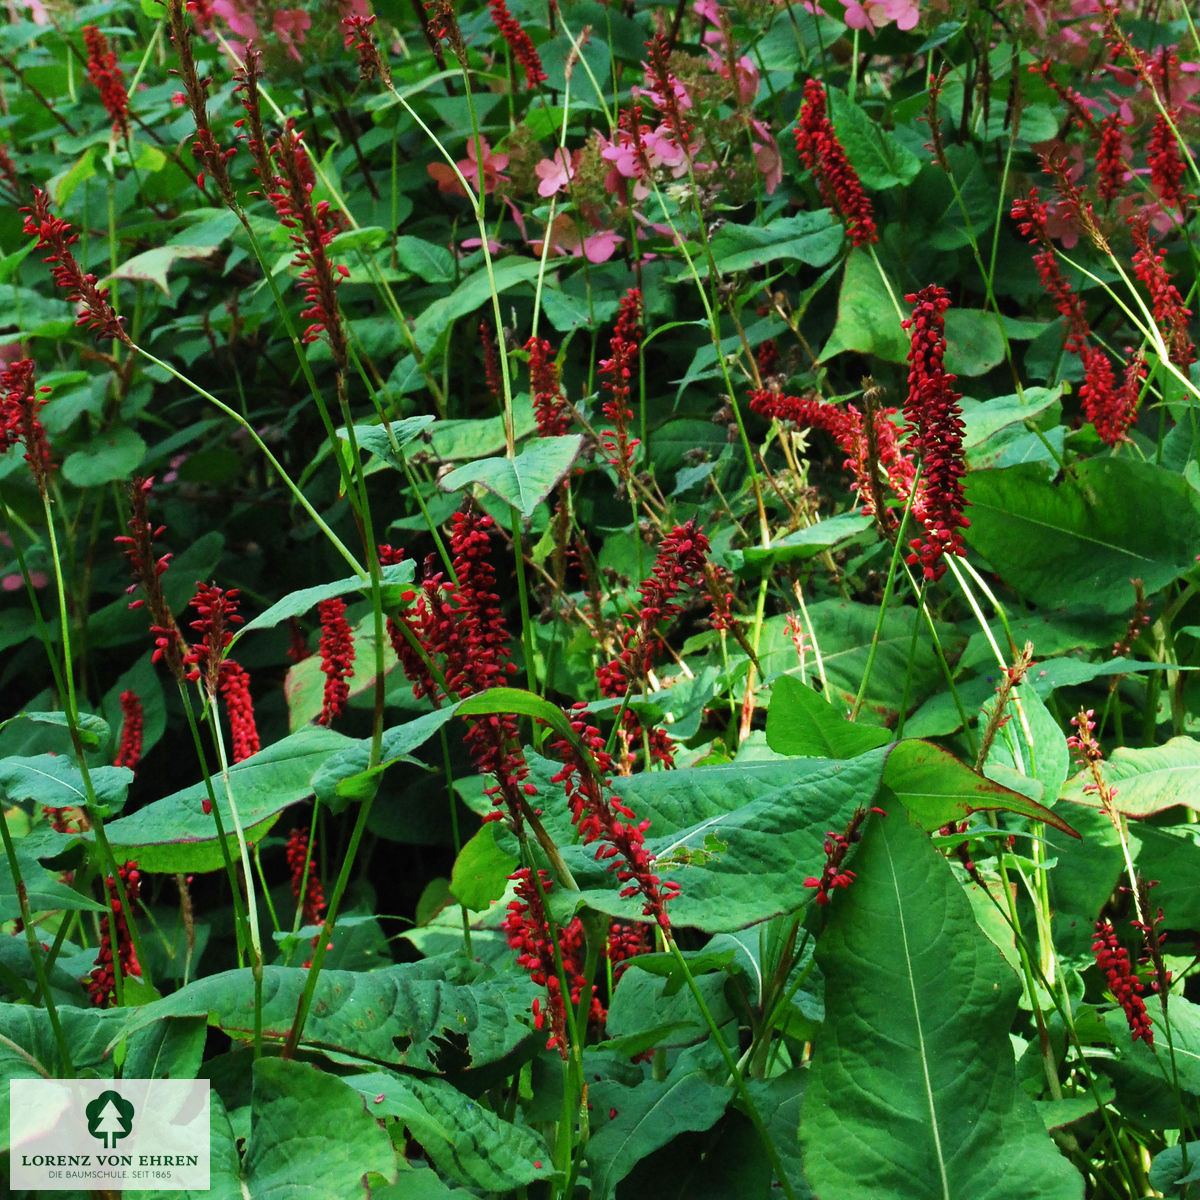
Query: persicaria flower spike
[337,657]
[105,73]
[1112,408]
[820,151]
[600,816]
[55,235]
[834,874]
[936,429]
[218,616]
[527,931]
[239,708]
[304,878]
[19,420]
[1166,165]
[114,928]
[1113,959]
[616,375]
[130,752]
[148,569]
[549,404]
[519,42]
[1169,312]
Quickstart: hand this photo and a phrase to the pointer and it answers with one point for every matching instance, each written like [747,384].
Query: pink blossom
[566,236]
[290,25]
[766,156]
[240,20]
[874,13]
[485,180]
[555,172]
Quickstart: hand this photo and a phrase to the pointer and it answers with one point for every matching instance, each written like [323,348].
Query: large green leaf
[913,1089]
[880,158]
[311,1135]
[937,788]
[107,457]
[525,480]
[1146,780]
[813,238]
[649,1116]
[739,839]
[407,1015]
[56,782]
[481,870]
[867,321]
[297,603]
[1077,541]
[175,834]
[801,722]
[467,1142]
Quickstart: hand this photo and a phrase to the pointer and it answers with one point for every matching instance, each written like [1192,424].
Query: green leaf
[649,1116]
[481,870]
[801,722]
[1146,780]
[311,1134]
[175,834]
[1078,540]
[524,481]
[937,788]
[407,1016]
[434,264]
[111,456]
[375,438]
[769,820]
[881,160]
[812,238]
[54,781]
[805,543]
[365,237]
[973,341]
[984,421]
[44,890]
[82,170]
[93,730]
[172,1048]
[867,321]
[475,290]
[912,1089]
[466,1141]
[151,266]
[296,604]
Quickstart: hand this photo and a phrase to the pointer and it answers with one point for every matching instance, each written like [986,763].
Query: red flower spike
[218,615]
[102,983]
[616,374]
[360,37]
[549,403]
[1032,216]
[55,235]
[461,628]
[312,907]
[936,428]
[314,226]
[527,931]
[1169,312]
[845,424]
[148,569]
[1110,408]
[1166,165]
[519,42]
[337,658]
[130,752]
[239,708]
[1113,959]
[821,152]
[604,818]
[19,420]
[103,71]
[1110,158]
[834,875]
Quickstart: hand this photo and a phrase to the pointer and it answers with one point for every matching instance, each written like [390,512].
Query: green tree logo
[109,1117]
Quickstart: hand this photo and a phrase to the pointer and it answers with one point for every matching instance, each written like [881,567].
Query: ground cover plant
[600,600]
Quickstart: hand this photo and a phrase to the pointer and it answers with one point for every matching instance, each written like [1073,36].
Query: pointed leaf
[481,870]
[649,1116]
[801,722]
[175,834]
[1078,540]
[297,603]
[524,481]
[56,782]
[375,438]
[311,1135]
[913,1089]
[937,788]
